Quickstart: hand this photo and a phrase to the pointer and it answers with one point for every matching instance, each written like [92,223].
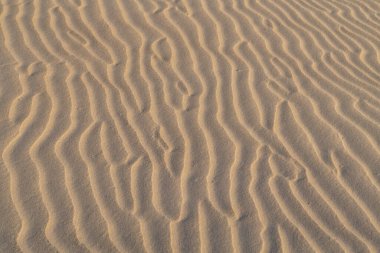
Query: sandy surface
[189,126]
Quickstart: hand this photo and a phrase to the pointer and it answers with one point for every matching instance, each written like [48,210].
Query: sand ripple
[190,126]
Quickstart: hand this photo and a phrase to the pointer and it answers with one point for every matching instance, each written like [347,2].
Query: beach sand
[189,126]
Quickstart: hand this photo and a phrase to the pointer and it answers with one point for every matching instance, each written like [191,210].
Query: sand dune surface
[189,126]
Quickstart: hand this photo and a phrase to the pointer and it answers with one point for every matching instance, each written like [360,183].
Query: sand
[189,126]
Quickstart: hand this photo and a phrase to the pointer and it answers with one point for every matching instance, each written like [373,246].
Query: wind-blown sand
[190,126]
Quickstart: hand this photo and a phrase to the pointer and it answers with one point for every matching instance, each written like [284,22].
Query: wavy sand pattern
[190,126]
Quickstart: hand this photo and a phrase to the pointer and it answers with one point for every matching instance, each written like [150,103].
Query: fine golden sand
[189,126]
